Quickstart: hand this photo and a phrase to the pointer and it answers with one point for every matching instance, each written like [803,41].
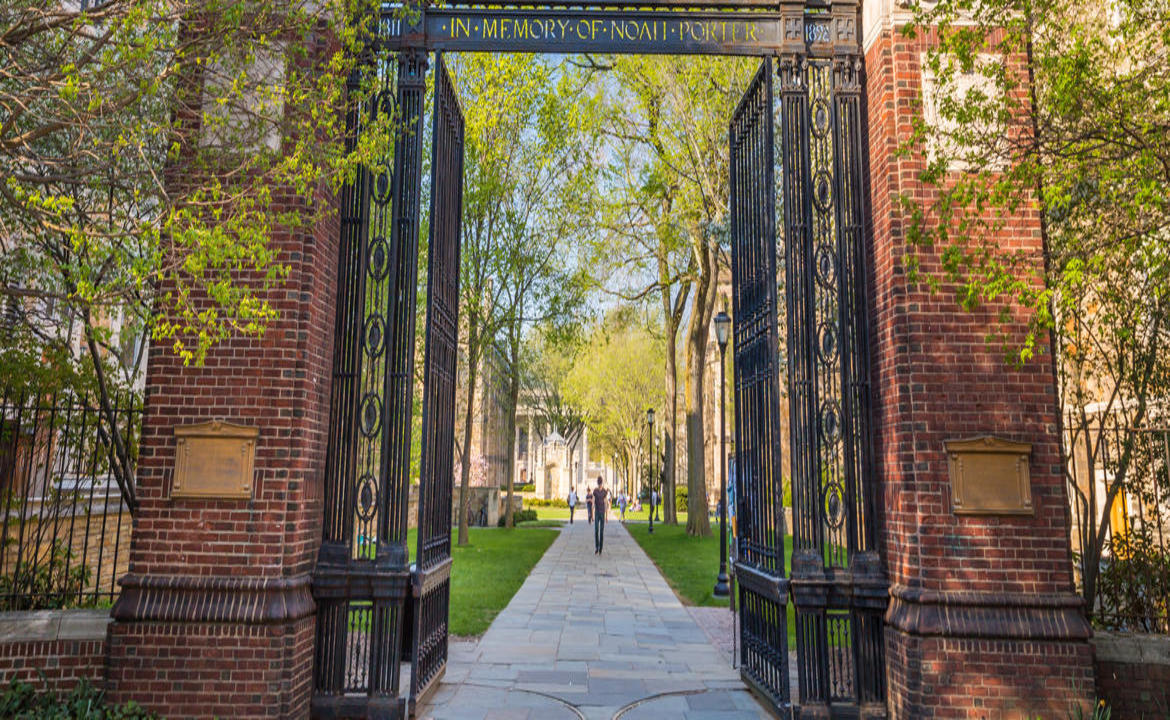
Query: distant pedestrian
[654,504]
[600,503]
[572,503]
[622,505]
[589,503]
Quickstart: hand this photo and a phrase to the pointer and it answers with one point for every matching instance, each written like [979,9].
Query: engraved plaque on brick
[990,476]
[214,460]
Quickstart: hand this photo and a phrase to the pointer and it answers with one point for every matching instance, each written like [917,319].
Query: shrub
[541,502]
[85,702]
[680,498]
[527,487]
[1134,584]
[50,582]
[518,517]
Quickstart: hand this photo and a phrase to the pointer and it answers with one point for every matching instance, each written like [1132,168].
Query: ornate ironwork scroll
[838,588]
[432,569]
[763,589]
[361,581]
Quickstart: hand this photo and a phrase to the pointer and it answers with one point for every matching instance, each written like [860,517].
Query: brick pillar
[983,619]
[215,616]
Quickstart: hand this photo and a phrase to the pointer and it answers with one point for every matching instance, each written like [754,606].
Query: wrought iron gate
[431,576]
[372,603]
[759,566]
[835,583]
[362,577]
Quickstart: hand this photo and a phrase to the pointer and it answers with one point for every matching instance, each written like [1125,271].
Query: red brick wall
[1133,674]
[235,670]
[985,678]
[975,598]
[1134,691]
[53,665]
[278,383]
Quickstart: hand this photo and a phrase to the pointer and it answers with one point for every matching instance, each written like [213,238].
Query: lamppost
[722,327]
[650,426]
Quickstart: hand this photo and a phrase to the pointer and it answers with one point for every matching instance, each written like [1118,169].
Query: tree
[99,111]
[1062,108]
[613,382]
[543,385]
[526,188]
[495,91]
[644,249]
[675,113]
[538,291]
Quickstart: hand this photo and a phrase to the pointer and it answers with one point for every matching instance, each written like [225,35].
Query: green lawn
[643,515]
[538,523]
[555,513]
[690,564]
[488,572]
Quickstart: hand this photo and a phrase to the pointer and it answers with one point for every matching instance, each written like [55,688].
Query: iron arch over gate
[376,611]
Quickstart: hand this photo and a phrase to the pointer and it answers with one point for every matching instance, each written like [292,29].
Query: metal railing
[64,523]
[1119,491]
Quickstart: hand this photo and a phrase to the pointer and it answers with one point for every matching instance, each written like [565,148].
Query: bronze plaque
[990,476]
[214,460]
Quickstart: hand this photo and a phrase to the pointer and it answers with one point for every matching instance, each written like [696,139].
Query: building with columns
[550,461]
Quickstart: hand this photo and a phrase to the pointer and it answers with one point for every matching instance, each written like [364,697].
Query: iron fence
[65,530]
[1119,491]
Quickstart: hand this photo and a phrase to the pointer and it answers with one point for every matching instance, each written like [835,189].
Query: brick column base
[213,647]
[971,654]
[985,678]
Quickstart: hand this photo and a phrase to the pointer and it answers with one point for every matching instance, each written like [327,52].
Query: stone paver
[591,636]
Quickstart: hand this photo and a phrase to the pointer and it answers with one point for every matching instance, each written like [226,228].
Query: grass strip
[690,564]
[486,573]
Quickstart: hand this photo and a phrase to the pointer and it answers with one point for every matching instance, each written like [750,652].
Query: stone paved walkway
[593,637]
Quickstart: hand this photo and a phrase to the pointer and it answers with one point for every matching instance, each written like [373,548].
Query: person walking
[622,505]
[588,504]
[600,503]
[654,503]
[572,503]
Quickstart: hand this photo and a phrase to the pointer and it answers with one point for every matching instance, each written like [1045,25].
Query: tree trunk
[119,456]
[670,514]
[698,329]
[672,311]
[513,398]
[465,465]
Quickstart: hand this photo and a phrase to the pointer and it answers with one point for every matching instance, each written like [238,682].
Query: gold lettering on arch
[630,32]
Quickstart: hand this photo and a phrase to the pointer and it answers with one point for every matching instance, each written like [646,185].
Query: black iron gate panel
[432,569]
[838,588]
[759,568]
[362,578]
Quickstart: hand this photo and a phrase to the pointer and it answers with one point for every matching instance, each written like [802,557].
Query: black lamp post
[722,328]
[650,426]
